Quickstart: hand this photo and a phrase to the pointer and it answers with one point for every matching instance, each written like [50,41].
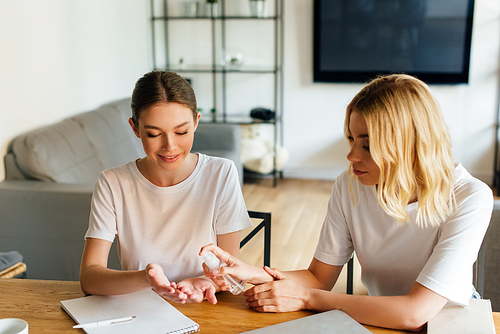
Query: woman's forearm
[302,289]
[305,278]
[407,312]
[387,312]
[98,280]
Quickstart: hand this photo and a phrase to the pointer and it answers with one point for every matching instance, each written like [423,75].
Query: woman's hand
[235,267]
[282,295]
[162,286]
[198,289]
[217,279]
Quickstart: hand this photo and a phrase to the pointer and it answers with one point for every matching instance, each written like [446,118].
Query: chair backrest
[266,225]
[487,266]
[350,276]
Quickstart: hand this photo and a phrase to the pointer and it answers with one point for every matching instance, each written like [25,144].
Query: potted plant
[212,8]
[257,8]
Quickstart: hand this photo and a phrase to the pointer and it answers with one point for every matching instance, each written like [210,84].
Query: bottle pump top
[211,260]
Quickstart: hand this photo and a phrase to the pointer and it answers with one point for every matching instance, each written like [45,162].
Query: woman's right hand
[235,267]
[162,286]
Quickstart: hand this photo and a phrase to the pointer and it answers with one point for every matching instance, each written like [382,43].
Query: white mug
[13,326]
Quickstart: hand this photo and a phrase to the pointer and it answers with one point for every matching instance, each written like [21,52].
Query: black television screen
[357,40]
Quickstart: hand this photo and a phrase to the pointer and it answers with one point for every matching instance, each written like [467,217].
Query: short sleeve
[449,269]
[232,212]
[102,221]
[335,245]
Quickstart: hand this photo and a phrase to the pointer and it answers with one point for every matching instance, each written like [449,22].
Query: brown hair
[161,86]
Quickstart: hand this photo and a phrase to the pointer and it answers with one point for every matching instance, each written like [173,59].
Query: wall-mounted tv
[357,40]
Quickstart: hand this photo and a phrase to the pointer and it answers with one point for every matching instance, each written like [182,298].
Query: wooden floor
[298,208]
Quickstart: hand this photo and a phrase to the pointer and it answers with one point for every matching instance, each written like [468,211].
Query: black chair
[487,266]
[266,225]
[350,276]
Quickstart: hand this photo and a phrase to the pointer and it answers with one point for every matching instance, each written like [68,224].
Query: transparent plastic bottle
[212,262]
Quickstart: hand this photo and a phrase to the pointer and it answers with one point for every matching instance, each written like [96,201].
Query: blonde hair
[410,143]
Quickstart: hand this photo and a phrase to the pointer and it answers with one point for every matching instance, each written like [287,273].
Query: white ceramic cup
[13,326]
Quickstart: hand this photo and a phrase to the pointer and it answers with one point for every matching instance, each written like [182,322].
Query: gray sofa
[49,177]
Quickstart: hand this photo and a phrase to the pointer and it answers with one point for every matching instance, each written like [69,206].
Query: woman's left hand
[281,295]
[198,289]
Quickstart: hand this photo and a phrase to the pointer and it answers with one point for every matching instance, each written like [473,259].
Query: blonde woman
[415,219]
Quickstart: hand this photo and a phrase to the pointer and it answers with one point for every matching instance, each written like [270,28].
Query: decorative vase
[257,8]
[233,59]
[191,8]
[212,9]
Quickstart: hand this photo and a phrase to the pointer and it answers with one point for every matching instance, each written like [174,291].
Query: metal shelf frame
[221,72]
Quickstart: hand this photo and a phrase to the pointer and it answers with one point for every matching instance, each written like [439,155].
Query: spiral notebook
[153,314]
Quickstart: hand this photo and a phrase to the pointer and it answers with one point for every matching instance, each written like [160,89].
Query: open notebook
[153,314]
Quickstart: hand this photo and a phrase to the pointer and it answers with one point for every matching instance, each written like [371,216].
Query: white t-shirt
[393,256]
[167,225]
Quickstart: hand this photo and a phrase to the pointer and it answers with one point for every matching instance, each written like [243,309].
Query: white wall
[59,58]
[314,112]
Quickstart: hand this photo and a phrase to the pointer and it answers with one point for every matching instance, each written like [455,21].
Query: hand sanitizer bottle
[212,262]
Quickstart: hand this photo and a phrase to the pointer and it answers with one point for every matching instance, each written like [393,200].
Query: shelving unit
[220,111]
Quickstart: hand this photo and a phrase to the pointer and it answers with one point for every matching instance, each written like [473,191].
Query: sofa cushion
[109,134]
[56,153]
[76,149]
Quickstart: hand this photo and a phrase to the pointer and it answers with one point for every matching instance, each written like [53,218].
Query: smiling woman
[162,208]
[167,133]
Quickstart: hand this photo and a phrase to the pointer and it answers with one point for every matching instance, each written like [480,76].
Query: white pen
[105,322]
